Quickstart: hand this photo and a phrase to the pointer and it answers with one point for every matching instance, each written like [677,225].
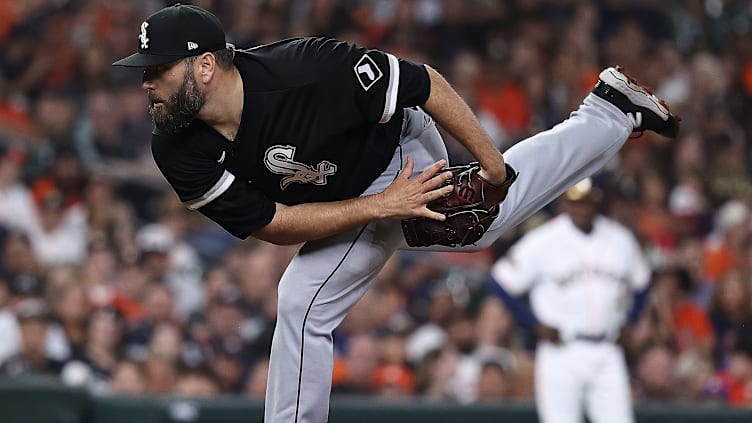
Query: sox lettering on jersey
[279,159]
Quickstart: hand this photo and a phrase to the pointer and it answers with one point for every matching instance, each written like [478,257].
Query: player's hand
[407,197]
[547,333]
[625,337]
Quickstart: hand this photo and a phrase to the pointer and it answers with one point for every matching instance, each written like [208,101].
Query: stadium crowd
[108,282]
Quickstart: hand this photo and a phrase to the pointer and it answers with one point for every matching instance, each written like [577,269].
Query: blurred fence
[44,401]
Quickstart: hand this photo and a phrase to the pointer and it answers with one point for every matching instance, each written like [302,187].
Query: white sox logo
[142,36]
[279,159]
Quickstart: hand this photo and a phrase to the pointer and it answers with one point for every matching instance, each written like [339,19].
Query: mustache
[154,99]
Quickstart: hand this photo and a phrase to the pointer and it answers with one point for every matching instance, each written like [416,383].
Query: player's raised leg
[552,161]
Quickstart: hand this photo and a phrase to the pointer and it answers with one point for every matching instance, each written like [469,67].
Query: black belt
[591,338]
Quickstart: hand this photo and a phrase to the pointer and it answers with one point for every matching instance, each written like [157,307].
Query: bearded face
[177,112]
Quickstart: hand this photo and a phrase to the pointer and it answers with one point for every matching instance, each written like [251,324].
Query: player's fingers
[438,193]
[431,171]
[407,170]
[438,180]
[433,215]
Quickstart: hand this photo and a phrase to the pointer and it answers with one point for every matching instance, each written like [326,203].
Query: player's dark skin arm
[448,109]
[403,198]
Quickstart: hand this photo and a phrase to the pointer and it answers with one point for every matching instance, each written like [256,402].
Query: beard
[180,109]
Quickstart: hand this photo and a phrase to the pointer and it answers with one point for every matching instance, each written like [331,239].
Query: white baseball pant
[582,376]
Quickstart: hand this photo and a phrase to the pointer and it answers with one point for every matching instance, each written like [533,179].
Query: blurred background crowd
[107,281]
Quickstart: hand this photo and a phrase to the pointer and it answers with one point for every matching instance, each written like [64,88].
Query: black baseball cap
[175,32]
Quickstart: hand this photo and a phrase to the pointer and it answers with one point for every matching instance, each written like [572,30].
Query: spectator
[18,211]
[101,351]
[66,176]
[730,313]
[696,379]
[10,332]
[434,375]
[167,259]
[256,384]
[724,249]
[462,338]
[228,364]
[127,379]
[32,357]
[196,383]
[495,324]
[737,378]
[160,375]
[19,258]
[494,383]
[353,372]
[156,308]
[61,236]
[430,335]
[111,221]
[392,378]
[676,318]
[655,375]
[70,309]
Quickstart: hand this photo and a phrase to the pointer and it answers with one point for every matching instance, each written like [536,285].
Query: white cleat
[643,108]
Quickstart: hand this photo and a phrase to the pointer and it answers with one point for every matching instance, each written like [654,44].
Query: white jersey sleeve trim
[220,187]
[390,104]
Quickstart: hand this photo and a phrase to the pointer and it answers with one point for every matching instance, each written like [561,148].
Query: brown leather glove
[469,210]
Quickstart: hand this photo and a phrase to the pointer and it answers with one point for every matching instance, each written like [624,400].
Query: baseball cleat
[643,108]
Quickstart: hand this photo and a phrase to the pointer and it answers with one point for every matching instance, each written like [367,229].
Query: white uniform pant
[581,376]
[327,277]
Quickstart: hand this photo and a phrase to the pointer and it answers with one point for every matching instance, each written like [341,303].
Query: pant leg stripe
[305,319]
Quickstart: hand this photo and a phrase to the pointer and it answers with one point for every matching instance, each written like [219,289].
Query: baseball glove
[469,209]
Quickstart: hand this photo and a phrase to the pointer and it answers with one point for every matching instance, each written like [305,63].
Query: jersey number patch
[279,159]
[367,72]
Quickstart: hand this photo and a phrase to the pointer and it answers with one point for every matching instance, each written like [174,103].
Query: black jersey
[321,120]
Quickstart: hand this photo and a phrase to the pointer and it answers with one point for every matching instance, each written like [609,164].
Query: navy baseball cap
[175,32]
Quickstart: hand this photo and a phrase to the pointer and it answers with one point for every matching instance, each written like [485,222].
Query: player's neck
[585,228]
[223,109]
[583,225]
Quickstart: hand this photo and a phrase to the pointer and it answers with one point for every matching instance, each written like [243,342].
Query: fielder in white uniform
[581,270]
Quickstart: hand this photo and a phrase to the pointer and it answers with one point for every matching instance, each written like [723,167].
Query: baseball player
[582,271]
[315,140]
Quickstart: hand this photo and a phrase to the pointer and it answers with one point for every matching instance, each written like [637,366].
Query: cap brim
[140,60]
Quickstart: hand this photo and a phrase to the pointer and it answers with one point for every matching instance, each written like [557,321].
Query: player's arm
[243,210]
[512,276]
[639,279]
[519,309]
[377,84]
[403,198]
[448,109]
